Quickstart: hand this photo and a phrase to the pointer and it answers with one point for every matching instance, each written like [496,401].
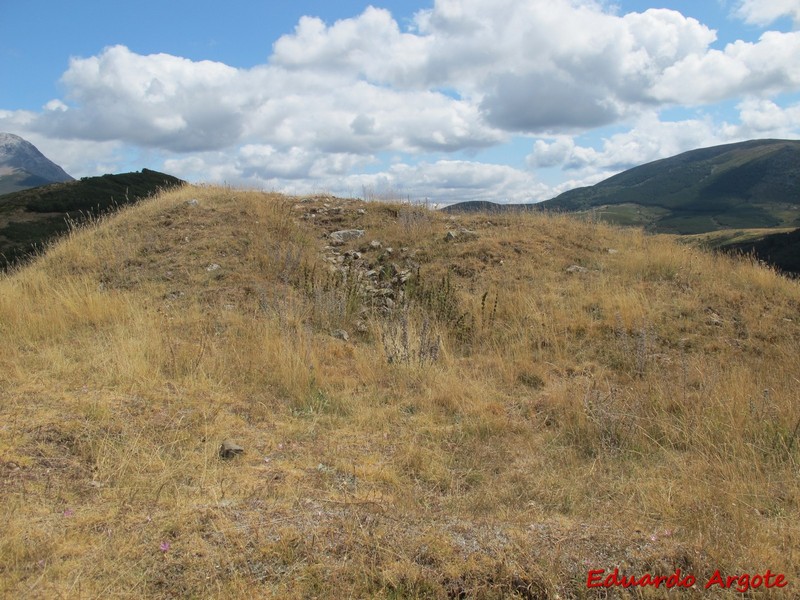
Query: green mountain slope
[744,185]
[30,218]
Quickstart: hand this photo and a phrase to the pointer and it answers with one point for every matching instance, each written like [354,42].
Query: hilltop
[31,218]
[22,166]
[753,184]
[429,406]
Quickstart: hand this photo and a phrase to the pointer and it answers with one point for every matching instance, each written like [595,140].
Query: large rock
[344,235]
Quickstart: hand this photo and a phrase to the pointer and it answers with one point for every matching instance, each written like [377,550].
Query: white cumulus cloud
[465,75]
[769,66]
[764,12]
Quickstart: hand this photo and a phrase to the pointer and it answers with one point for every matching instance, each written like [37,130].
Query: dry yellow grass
[507,427]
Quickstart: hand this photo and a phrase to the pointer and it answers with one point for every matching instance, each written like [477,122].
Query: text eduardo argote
[599,578]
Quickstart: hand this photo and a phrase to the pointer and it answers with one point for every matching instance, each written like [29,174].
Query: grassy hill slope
[532,399]
[31,218]
[779,248]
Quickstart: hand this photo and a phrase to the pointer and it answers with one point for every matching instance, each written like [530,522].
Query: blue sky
[449,100]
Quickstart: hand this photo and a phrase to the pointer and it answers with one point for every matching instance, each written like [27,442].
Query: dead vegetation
[503,426]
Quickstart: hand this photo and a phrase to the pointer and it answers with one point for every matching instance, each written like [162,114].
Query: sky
[439,101]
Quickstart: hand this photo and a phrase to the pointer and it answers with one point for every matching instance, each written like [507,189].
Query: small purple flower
[69,512]
[164,547]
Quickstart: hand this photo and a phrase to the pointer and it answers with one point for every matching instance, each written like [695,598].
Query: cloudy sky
[445,100]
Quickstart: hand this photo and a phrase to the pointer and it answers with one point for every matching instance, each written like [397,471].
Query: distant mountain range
[22,166]
[743,185]
[30,218]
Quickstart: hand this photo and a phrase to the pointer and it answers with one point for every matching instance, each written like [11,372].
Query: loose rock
[343,235]
[229,450]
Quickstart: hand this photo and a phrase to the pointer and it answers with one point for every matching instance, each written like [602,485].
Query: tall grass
[505,427]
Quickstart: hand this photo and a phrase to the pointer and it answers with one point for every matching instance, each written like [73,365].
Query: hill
[779,248]
[433,408]
[31,218]
[754,184]
[22,166]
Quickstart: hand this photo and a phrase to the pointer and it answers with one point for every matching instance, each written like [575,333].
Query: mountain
[501,414]
[22,166]
[745,185]
[30,218]
[753,184]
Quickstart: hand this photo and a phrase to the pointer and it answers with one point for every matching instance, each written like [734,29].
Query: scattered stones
[340,334]
[379,273]
[230,450]
[576,269]
[343,235]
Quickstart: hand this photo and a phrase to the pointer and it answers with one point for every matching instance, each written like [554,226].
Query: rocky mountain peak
[18,154]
